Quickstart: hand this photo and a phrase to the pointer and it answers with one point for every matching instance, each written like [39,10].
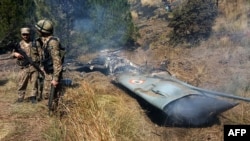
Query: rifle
[51,98]
[19,50]
[54,97]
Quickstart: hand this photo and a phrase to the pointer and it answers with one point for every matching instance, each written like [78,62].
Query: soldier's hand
[42,69]
[54,83]
[18,55]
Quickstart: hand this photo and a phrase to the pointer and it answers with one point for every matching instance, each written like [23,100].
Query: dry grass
[20,121]
[98,116]
[233,15]
[95,111]
[54,131]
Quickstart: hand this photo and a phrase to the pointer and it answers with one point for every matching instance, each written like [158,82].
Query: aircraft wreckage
[181,103]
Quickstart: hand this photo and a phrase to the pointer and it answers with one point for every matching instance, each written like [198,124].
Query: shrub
[192,21]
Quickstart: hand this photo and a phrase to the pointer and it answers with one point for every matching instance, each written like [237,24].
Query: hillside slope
[219,64]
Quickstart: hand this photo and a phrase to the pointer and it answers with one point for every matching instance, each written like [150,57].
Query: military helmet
[44,26]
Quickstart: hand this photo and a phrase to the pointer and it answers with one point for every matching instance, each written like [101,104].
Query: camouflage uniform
[53,65]
[28,73]
[51,61]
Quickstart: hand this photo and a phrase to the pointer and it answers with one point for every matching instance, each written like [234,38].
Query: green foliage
[8,11]
[42,9]
[81,25]
[89,25]
[14,14]
[108,24]
[192,21]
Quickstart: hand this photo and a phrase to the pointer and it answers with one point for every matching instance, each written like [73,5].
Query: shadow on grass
[3,82]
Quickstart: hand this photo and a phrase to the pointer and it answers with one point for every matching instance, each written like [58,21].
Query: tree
[15,14]
[82,25]
[192,21]
[89,24]
[108,24]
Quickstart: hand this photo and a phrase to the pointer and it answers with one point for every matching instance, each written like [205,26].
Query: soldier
[28,73]
[51,60]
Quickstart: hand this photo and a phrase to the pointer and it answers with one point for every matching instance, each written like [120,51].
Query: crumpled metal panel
[154,90]
[182,105]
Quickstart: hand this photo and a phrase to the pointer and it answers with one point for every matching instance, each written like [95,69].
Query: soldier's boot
[39,97]
[33,99]
[19,100]
[20,97]
[46,96]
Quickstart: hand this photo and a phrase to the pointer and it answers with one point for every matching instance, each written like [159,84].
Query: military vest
[47,58]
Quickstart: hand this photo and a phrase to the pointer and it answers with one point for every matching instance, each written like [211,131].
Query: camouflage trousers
[47,85]
[27,77]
